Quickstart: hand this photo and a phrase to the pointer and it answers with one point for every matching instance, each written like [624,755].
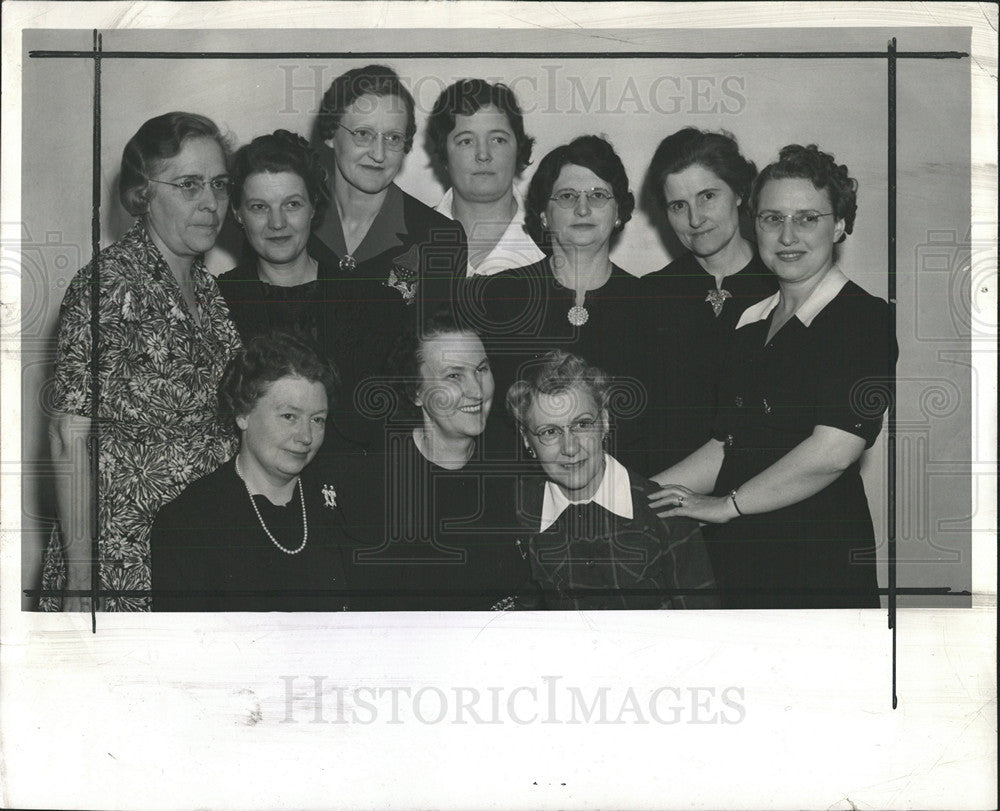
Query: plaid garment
[592,559]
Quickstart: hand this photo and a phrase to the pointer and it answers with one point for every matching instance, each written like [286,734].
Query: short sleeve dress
[157,418]
[833,368]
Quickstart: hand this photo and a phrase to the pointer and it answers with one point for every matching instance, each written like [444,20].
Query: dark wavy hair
[469,96]
[407,354]
[555,373]
[591,152]
[281,151]
[716,151]
[266,358]
[157,141]
[374,80]
[820,169]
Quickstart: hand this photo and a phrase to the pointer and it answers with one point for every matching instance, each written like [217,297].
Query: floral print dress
[157,424]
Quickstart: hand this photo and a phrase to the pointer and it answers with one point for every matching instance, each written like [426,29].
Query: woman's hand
[677,500]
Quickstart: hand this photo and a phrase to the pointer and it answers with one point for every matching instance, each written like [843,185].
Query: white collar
[614,494]
[515,248]
[825,292]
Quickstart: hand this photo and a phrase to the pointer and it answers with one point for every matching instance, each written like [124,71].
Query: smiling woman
[432,515]
[262,532]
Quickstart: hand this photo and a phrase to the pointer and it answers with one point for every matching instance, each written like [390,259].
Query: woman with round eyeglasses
[432,515]
[263,532]
[390,254]
[165,338]
[801,399]
[702,182]
[594,541]
[576,298]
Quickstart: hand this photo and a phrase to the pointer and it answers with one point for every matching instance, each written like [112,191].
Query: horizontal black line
[43,54]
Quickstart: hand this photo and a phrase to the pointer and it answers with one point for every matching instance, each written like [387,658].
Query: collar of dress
[825,292]
[613,494]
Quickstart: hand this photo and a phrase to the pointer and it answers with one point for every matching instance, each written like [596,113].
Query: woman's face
[456,386]
[702,209]
[187,228]
[797,254]
[566,431]
[285,427]
[369,169]
[482,155]
[276,215]
[583,225]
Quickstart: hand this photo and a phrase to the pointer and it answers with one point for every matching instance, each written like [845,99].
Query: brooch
[717,298]
[329,496]
[403,275]
[577,315]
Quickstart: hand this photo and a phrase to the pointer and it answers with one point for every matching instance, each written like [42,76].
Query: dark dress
[409,260]
[431,539]
[689,343]
[210,552]
[819,553]
[522,314]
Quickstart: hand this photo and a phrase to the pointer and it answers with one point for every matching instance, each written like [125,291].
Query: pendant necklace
[302,499]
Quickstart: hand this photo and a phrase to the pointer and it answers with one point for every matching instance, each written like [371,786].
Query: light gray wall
[838,104]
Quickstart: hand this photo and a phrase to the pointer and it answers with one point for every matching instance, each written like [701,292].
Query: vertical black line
[891,411]
[95,335]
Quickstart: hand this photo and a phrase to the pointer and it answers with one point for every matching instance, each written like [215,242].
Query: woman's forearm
[69,436]
[698,471]
[809,467]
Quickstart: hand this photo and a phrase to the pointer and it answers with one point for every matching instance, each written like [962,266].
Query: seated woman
[576,299]
[476,133]
[280,194]
[800,401]
[263,532]
[702,183]
[432,517]
[596,543]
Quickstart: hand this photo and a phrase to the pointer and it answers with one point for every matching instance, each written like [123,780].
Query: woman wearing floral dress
[165,338]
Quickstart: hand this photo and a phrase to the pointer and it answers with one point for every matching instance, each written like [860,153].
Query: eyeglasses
[802,220]
[193,187]
[365,137]
[596,198]
[550,434]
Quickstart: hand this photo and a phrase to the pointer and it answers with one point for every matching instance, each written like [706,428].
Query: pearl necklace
[305,523]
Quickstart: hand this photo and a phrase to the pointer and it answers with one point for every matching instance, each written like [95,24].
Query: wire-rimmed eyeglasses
[365,137]
[596,197]
[550,434]
[193,187]
[802,220]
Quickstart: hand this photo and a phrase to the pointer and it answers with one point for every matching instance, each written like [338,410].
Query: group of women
[317,429]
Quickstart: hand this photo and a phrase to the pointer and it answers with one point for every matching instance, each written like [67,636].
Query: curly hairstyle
[591,152]
[266,358]
[469,96]
[157,141]
[556,372]
[407,355]
[716,151]
[820,169]
[373,80]
[281,151]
